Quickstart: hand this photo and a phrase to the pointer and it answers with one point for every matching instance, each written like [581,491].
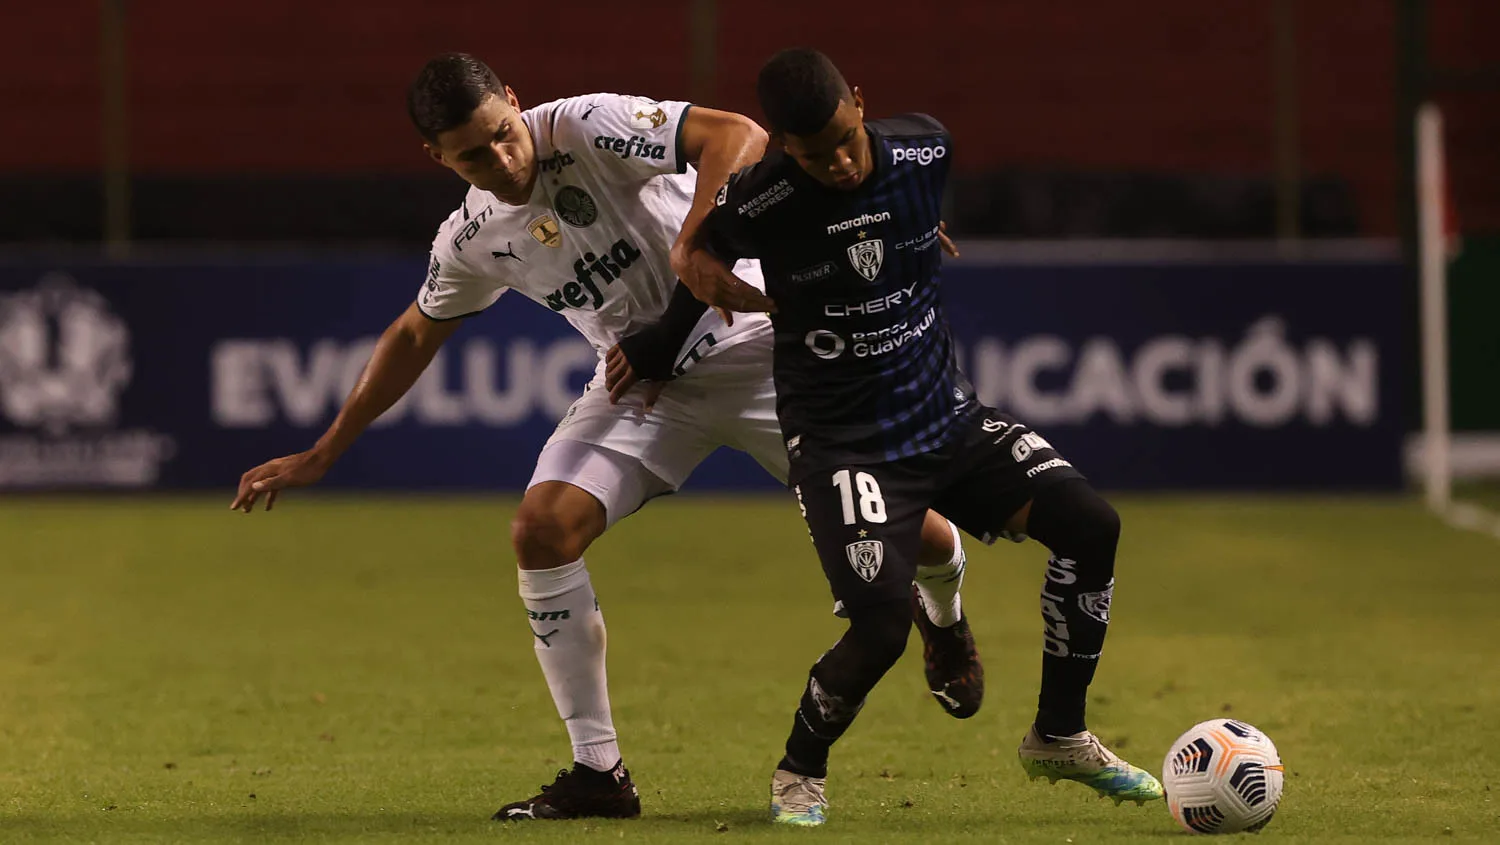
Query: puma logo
[945,699]
[586,114]
[509,253]
[543,637]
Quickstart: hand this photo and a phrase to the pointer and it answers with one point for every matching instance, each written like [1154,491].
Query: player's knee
[1099,519]
[938,541]
[544,538]
[1075,522]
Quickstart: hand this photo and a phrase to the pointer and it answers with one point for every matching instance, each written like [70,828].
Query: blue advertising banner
[186,373]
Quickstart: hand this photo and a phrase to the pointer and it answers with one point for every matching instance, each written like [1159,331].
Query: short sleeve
[629,138]
[727,228]
[453,289]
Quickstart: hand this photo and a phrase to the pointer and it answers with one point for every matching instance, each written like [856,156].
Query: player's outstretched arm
[718,143]
[403,352]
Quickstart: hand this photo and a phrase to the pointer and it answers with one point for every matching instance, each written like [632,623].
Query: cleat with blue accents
[798,799]
[1083,758]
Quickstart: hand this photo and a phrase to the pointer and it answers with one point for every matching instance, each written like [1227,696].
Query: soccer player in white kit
[577,205]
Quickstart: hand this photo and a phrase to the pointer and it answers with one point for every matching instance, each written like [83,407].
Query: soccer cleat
[951,662]
[582,793]
[1083,758]
[798,799]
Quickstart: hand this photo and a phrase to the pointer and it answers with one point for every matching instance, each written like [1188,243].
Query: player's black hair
[447,91]
[799,91]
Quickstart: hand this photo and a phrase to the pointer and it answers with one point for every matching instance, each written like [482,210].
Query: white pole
[1433,254]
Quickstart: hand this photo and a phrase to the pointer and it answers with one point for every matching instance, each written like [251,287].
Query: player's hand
[619,377]
[713,283]
[946,242]
[269,478]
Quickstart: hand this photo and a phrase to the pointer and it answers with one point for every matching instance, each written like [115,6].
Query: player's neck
[521,195]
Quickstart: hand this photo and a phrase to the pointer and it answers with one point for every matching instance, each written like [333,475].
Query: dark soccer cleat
[951,661]
[580,794]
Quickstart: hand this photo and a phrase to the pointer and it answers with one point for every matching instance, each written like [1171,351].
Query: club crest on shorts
[866,556]
[545,230]
[867,257]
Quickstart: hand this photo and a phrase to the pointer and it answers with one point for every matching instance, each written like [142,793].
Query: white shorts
[624,456]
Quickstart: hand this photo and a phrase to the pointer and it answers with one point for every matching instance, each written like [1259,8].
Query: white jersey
[611,191]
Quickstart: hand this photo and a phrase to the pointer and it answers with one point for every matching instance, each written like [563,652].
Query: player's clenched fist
[297,470]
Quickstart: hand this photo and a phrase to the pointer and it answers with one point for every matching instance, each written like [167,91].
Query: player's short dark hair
[799,91]
[447,91]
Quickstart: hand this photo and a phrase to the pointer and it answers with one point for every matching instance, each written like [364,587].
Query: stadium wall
[235,96]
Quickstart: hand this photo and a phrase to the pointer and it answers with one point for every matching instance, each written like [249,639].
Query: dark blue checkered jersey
[865,366]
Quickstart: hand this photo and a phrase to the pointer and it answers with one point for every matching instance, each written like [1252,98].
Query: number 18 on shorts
[867,533]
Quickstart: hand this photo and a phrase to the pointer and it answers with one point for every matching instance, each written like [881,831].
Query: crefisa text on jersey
[635,145]
[555,162]
[609,266]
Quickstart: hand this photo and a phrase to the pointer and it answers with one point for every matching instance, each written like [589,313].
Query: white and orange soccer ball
[1222,776]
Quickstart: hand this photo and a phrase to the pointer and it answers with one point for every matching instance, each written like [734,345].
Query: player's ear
[859,100]
[510,97]
[435,154]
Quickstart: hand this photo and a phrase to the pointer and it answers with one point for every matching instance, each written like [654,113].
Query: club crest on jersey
[545,230]
[866,556]
[867,257]
[576,207]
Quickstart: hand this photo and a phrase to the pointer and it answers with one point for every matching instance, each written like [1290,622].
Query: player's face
[493,151]
[839,156]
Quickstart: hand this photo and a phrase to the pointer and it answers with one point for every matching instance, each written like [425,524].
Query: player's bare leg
[555,523]
[950,658]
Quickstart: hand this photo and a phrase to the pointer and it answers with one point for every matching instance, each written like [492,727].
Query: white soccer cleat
[1082,757]
[798,799]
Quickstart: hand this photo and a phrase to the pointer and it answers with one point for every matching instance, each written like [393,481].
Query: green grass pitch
[348,669]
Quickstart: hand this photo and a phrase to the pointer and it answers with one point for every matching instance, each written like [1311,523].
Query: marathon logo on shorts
[866,556]
[1045,466]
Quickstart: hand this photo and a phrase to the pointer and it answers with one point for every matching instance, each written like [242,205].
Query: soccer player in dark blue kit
[880,424]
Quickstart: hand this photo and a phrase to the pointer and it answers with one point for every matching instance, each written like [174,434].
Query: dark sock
[840,680]
[1082,531]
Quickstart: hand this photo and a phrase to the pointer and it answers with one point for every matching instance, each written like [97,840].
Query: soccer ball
[1222,776]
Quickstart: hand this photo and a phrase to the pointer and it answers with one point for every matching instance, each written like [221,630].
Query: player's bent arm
[717,143]
[401,355]
[652,351]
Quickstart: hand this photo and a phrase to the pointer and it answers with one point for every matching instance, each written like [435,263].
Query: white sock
[938,586]
[568,632]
